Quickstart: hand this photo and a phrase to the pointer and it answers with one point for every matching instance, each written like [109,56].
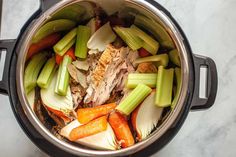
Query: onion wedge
[103,140]
[31,97]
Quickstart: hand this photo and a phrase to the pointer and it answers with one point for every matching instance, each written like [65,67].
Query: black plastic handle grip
[7,45]
[212,83]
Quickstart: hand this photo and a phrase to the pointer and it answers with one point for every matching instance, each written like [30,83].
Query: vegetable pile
[98,80]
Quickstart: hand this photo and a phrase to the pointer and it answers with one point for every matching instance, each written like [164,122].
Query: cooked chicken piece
[146,68]
[78,92]
[81,65]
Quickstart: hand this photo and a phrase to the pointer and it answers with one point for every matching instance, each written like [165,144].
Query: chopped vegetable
[68,46]
[50,99]
[91,128]
[44,43]
[150,44]
[174,57]
[147,68]
[60,46]
[178,84]
[121,128]
[78,76]
[92,25]
[156,29]
[47,73]
[136,78]
[164,87]
[134,99]
[53,27]
[33,69]
[159,60]
[85,115]
[102,140]
[63,76]
[143,53]
[83,35]
[82,65]
[101,38]
[70,53]
[133,41]
[31,97]
[145,117]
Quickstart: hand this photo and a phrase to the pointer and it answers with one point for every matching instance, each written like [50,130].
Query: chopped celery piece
[164,86]
[178,85]
[156,29]
[32,71]
[63,76]
[64,42]
[147,79]
[174,57]
[47,73]
[150,44]
[126,34]
[53,27]
[83,35]
[158,60]
[68,46]
[134,99]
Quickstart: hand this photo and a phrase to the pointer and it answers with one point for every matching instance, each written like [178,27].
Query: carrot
[46,42]
[121,128]
[87,114]
[91,128]
[70,52]
[59,114]
[143,53]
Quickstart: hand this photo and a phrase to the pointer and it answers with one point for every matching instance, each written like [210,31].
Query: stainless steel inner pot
[141,6]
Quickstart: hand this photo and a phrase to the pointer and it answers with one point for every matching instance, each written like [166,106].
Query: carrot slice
[87,114]
[70,52]
[91,128]
[121,128]
[143,53]
[46,42]
[59,114]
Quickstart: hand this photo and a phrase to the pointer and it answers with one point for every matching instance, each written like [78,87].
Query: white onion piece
[101,38]
[30,97]
[55,101]
[103,140]
[148,116]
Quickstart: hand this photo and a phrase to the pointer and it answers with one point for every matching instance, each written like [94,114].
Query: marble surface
[210,27]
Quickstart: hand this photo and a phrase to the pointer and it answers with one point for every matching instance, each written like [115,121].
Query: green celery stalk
[150,44]
[60,45]
[68,46]
[134,99]
[126,34]
[32,71]
[134,79]
[158,60]
[53,27]
[156,29]
[63,76]
[47,73]
[178,84]
[164,87]
[83,35]
[174,57]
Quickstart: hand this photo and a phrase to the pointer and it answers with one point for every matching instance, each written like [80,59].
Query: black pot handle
[211,83]
[6,50]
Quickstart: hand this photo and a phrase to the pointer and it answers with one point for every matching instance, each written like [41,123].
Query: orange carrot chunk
[45,43]
[87,114]
[121,128]
[91,128]
[70,52]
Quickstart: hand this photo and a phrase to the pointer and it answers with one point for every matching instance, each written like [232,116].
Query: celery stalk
[179,83]
[174,57]
[147,79]
[68,46]
[63,76]
[126,34]
[134,99]
[60,45]
[32,71]
[83,35]
[47,73]
[164,87]
[158,60]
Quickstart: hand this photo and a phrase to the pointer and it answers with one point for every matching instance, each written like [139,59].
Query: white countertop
[210,26]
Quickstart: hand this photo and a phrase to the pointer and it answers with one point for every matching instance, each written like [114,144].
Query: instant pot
[189,100]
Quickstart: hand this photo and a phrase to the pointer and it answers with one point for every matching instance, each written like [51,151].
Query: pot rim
[177,38]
